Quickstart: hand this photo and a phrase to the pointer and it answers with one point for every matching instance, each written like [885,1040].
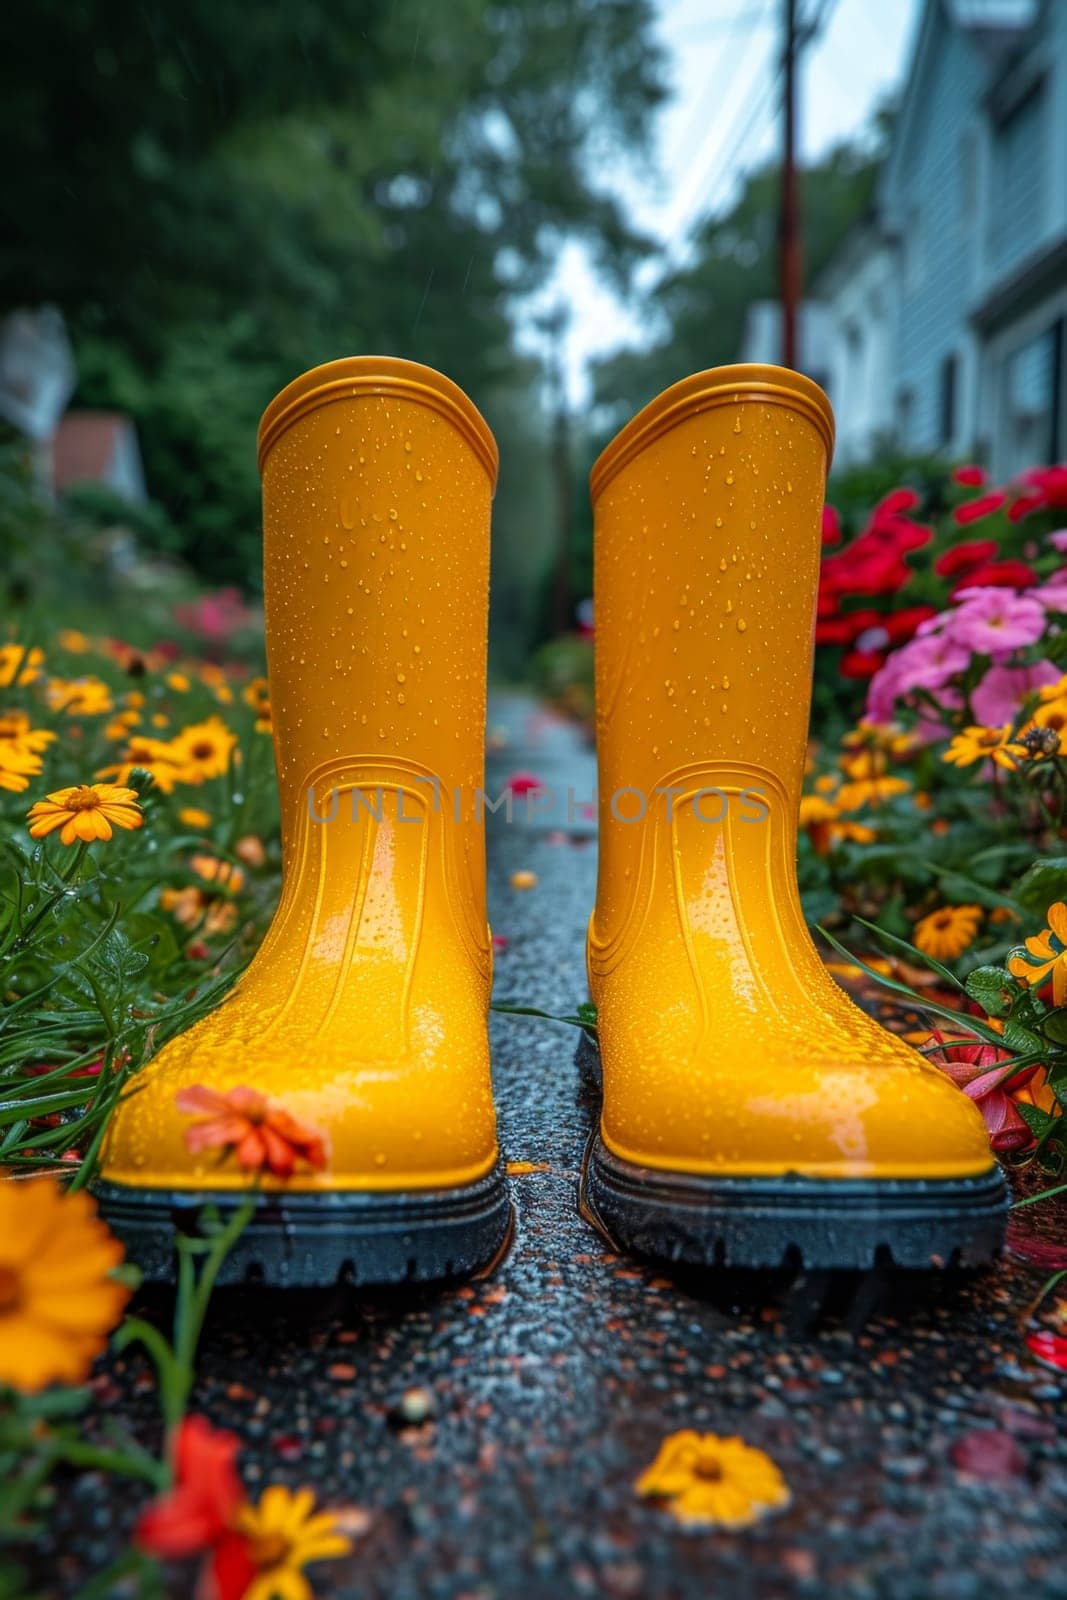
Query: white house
[948,307]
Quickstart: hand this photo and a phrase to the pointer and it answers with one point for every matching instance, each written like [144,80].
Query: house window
[1028,404]
[946,408]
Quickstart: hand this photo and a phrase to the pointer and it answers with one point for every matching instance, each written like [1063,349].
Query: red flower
[902,625]
[980,1071]
[998,575]
[962,556]
[971,477]
[845,629]
[984,506]
[894,503]
[262,1135]
[197,1516]
[831,526]
[1051,1348]
[521,783]
[1046,491]
[861,663]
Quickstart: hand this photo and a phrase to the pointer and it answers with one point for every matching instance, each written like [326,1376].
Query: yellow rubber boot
[364,1014]
[751,1112]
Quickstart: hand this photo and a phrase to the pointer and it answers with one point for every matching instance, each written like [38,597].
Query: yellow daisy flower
[16,728]
[985,744]
[17,767]
[946,934]
[885,737]
[284,1534]
[1048,718]
[79,697]
[178,681]
[713,1482]
[1045,956]
[193,817]
[58,1302]
[257,695]
[73,640]
[86,811]
[119,726]
[154,755]
[203,750]
[21,748]
[870,792]
[19,664]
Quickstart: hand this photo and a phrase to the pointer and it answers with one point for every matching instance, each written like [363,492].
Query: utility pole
[789,212]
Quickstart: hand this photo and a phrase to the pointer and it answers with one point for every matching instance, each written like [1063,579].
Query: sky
[722,58]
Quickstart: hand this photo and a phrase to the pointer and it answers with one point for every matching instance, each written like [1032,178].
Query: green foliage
[562,671]
[219,197]
[107,950]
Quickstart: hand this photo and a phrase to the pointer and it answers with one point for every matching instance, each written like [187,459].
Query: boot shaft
[708,531]
[378,476]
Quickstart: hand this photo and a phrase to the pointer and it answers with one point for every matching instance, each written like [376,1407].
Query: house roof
[84,446]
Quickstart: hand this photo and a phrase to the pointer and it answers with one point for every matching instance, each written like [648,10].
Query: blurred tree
[220,195]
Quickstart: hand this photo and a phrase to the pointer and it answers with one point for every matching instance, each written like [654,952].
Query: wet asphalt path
[533,1399]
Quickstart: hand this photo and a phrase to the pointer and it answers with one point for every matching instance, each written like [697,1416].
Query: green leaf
[1020,1039]
[1054,1026]
[993,988]
[1036,1120]
[1043,883]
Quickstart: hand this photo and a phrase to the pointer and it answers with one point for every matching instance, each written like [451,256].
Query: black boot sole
[790,1221]
[321,1238]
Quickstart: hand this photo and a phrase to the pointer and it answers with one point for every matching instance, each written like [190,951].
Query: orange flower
[192,906]
[1045,956]
[58,1301]
[222,873]
[262,1135]
[86,811]
[251,851]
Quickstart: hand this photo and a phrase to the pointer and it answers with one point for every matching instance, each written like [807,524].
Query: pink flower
[1051,594]
[1003,690]
[986,1076]
[1058,539]
[994,622]
[926,662]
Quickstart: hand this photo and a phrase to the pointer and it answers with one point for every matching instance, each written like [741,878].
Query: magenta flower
[1051,594]
[923,663]
[1058,539]
[993,622]
[1003,689]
